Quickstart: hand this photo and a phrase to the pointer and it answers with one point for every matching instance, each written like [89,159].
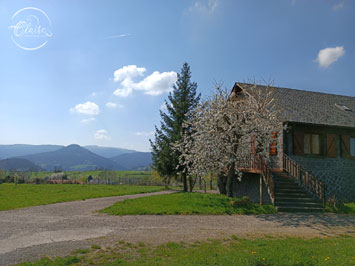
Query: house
[316,150]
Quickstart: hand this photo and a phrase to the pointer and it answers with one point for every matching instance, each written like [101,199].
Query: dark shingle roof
[312,107]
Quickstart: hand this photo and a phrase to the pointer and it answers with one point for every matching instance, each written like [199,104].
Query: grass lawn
[25,195]
[187,203]
[258,252]
[347,208]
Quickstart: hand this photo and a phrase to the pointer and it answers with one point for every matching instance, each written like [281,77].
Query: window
[352,147]
[347,146]
[273,144]
[312,144]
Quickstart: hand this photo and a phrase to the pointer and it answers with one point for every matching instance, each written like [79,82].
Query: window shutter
[273,144]
[345,146]
[252,145]
[298,144]
[331,145]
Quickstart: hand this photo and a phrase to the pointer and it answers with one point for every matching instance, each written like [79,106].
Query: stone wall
[249,186]
[337,173]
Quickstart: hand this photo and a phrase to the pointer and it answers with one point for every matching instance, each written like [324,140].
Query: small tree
[220,131]
[182,101]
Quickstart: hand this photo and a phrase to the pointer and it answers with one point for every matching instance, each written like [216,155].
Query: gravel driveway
[57,229]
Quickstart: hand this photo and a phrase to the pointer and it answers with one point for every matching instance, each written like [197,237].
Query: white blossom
[218,133]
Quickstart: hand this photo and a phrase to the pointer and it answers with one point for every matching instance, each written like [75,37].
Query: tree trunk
[229,183]
[261,190]
[184,180]
[222,183]
[191,185]
[192,182]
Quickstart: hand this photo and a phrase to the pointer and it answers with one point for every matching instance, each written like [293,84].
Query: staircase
[291,197]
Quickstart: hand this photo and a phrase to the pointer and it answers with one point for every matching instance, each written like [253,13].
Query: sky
[97,72]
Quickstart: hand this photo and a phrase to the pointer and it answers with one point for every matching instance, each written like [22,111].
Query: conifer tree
[181,101]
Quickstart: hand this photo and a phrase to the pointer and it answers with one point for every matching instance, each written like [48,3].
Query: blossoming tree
[218,134]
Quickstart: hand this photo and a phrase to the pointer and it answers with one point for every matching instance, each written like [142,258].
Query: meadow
[14,196]
[94,173]
[187,203]
[234,251]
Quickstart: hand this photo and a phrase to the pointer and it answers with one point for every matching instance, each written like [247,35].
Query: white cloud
[88,120]
[338,6]
[102,135]
[125,92]
[93,94]
[128,72]
[204,6]
[88,108]
[155,84]
[330,55]
[111,105]
[119,36]
[145,134]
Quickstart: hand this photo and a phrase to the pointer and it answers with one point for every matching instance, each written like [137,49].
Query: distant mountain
[72,158]
[19,165]
[134,160]
[16,150]
[107,152]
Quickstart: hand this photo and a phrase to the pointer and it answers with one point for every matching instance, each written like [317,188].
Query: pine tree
[181,101]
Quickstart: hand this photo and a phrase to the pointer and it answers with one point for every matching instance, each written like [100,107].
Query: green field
[187,203]
[25,195]
[257,252]
[97,173]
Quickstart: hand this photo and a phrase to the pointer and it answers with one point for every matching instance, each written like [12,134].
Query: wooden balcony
[251,165]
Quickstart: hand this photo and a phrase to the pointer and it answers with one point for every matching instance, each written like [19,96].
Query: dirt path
[57,229]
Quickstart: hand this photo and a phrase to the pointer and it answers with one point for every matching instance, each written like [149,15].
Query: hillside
[18,165]
[72,158]
[16,150]
[107,152]
[135,160]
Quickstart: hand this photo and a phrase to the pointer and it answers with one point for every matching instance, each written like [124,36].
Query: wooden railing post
[324,196]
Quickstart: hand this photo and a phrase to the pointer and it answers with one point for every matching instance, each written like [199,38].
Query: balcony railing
[255,164]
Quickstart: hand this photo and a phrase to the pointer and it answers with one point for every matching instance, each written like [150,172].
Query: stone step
[299,209]
[278,186]
[288,199]
[285,179]
[281,183]
[298,204]
[296,190]
[292,195]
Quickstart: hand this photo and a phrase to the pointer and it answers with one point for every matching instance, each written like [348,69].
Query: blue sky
[108,65]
